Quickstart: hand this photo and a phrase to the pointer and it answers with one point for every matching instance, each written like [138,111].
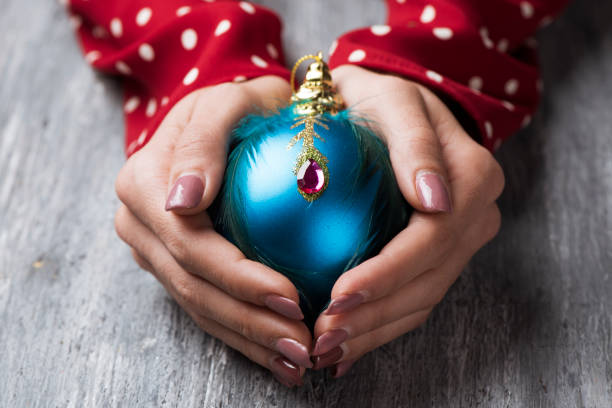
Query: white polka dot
[526,121]
[489,129]
[508,105]
[191,76]
[240,78]
[484,34]
[116,28]
[76,22]
[151,107]
[357,55]
[401,1]
[123,68]
[428,15]
[144,16]
[258,61]
[189,39]
[222,27]
[502,45]
[380,30]
[333,47]
[99,32]
[142,137]
[247,7]
[130,149]
[511,86]
[131,104]
[434,76]
[164,101]
[526,9]
[272,51]
[92,56]
[181,11]
[146,52]
[475,83]
[497,144]
[443,33]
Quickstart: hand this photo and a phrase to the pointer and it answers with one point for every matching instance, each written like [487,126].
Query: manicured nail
[432,192]
[285,371]
[329,340]
[341,368]
[284,306]
[186,193]
[344,303]
[294,351]
[327,359]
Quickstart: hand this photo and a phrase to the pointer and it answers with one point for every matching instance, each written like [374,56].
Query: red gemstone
[310,177]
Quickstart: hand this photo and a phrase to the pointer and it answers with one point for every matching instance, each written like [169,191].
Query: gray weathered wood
[528,323]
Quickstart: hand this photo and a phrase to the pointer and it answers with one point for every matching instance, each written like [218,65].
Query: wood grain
[528,324]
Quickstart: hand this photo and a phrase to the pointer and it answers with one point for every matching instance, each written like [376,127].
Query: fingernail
[294,351]
[327,359]
[284,306]
[344,303]
[341,368]
[432,192]
[186,193]
[329,340]
[285,371]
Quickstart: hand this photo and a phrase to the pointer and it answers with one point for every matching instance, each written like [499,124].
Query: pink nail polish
[341,368]
[294,351]
[329,340]
[284,306]
[327,359]
[285,371]
[186,193]
[432,192]
[344,303]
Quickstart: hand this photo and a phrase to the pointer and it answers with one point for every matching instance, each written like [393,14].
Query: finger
[414,149]
[257,324]
[201,250]
[355,348]
[472,162]
[422,293]
[284,370]
[143,263]
[200,152]
[405,258]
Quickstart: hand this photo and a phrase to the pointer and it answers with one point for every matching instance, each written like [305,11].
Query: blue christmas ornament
[309,191]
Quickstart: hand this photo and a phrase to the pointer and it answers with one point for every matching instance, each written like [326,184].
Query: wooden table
[527,325]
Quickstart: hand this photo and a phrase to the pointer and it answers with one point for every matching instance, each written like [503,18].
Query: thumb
[200,152]
[415,152]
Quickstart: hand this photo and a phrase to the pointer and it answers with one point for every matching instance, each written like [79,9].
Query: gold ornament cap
[316,95]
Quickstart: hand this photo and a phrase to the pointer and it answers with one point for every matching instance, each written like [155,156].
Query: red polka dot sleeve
[166,49]
[477,53]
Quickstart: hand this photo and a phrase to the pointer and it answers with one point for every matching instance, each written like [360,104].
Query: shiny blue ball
[261,210]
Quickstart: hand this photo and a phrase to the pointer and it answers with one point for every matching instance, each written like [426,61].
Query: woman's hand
[449,179]
[165,189]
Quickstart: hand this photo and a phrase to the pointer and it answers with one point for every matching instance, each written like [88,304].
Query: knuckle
[123,181]
[493,224]
[120,223]
[182,287]
[244,327]
[496,175]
